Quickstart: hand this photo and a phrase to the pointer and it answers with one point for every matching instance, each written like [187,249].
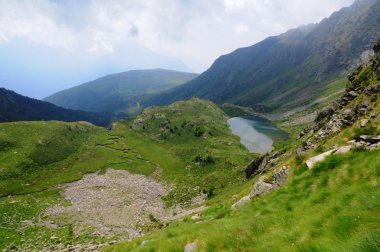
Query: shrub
[198,131]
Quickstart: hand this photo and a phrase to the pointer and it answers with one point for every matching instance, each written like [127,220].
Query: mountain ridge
[119,92]
[16,107]
[301,61]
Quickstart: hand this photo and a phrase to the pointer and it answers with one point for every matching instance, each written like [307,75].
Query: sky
[50,45]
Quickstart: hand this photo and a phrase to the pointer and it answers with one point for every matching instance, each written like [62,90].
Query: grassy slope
[336,207]
[194,149]
[36,156]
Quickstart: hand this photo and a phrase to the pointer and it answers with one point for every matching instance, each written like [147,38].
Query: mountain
[15,107]
[119,92]
[175,178]
[52,65]
[289,70]
[318,193]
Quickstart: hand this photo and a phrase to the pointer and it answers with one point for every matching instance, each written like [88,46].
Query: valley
[275,147]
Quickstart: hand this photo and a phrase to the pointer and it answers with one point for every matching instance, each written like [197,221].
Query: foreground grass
[334,207]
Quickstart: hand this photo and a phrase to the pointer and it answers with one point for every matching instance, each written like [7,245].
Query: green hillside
[186,146]
[331,206]
[15,107]
[121,92]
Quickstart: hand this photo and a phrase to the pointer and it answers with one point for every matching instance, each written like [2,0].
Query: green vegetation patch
[335,208]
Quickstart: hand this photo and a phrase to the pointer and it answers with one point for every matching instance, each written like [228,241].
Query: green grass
[177,137]
[196,152]
[39,155]
[335,207]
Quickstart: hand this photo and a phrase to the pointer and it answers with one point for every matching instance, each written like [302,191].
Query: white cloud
[195,31]
[242,28]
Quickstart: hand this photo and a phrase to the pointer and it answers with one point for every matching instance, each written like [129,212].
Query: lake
[256,134]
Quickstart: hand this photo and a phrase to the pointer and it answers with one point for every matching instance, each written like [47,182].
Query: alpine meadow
[110,142]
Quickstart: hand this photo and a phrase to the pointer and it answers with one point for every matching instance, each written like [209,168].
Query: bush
[198,131]
[204,160]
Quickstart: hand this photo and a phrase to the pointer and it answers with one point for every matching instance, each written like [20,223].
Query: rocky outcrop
[253,166]
[352,106]
[267,184]
[366,142]
[321,157]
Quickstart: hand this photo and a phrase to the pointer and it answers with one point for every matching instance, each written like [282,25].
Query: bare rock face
[253,166]
[265,185]
[261,188]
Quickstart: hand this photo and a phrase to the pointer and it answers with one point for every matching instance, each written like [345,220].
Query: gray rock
[374,89]
[326,113]
[359,144]
[374,146]
[196,217]
[263,165]
[280,176]
[370,139]
[191,247]
[313,160]
[364,122]
[352,94]
[261,187]
[343,149]
[265,185]
[241,202]
[145,242]
[253,166]
[12,246]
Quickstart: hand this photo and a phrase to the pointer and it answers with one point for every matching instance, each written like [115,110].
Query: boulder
[261,188]
[370,139]
[343,149]
[253,166]
[352,94]
[325,113]
[280,176]
[312,161]
[374,89]
[265,185]
[241,202]
[364,122]
[263,165]
[191,247]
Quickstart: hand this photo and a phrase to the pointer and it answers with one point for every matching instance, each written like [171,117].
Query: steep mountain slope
[119,92]
[318,193]
[15,107]
[288,70]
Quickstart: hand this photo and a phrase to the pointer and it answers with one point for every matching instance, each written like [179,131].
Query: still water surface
[256,134]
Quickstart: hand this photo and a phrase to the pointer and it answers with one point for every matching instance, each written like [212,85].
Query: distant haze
[47,46]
